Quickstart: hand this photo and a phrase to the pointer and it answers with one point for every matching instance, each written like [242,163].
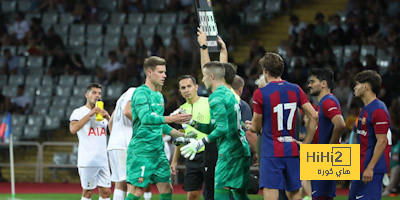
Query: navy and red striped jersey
[328,107]
[374,119]
[278,102]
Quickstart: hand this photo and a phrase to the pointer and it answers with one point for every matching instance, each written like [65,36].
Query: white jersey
[92,149]
[121,132]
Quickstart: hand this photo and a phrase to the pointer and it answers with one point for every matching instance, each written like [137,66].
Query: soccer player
[197,106]
[146,159]
[233,165]
[92,152]
[120,127]
[374,136]
[275,107]
[330,124]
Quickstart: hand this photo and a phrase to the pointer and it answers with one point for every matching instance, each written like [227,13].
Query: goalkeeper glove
[190,150]
[191,134]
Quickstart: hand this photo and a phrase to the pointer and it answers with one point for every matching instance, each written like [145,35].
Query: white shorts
[117,159]
[91,177]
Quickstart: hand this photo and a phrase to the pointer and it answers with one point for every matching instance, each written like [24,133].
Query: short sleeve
[75,116]
[380,120]
[258,102]
[330,108]
[302,97]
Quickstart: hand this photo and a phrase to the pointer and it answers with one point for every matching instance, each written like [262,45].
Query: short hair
[237,82]
[92,85]
[186,77]
[112,53]
[273,64]
[216,68]
[372,78]
[152,61]
[323,74]
[230,72]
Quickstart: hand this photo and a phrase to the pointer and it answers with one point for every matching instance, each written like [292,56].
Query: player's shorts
[369,191]
[117,159]
[323,188]
[194,173]
[91,177]
[144,170]
[280,173]
[232,172]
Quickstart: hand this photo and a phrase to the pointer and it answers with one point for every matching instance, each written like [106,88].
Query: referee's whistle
[99,104]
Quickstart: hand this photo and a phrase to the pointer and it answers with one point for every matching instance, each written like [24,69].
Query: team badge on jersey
[140,180]
[363,120]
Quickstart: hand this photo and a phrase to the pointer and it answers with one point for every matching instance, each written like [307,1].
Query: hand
[367,175]
[201,37]
[298,142]
[221,43]
[182,118]
[95,110]
[105,114]
[179,141]
[191,134]
[248,125]
[173,168]
[190,150]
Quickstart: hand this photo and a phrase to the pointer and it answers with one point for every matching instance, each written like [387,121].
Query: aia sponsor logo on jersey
[97,132]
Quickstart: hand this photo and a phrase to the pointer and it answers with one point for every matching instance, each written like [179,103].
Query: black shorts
[194,173]
[210,160]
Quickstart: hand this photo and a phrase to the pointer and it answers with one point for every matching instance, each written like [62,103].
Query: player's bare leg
[120,190]
[270,194]
[134,192]
[147,192]
[105,193]
[306,188]
[165,190]
[294,195]
[87,194]
[194,195]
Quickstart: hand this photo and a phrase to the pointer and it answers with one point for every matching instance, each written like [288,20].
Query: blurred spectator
[295,27]
[370,63]
[33,47]
[157,47]
[371,29]
[140,50]
[36,29]
[21,102]
[109,71]
[354,64]
[393,8]
[131,6]
[231,23]
[52,5]
[5,102]
[337,32]
[52,41]
[61,63]
[92,11]
[343,93]
[321,28]
[77,67]
[131,74]
[3,28]
[174,55]
[79,12]
[390,87]
[10,63]
[299,74]
[188,44]
[256,50]
[20,27]
[123,48]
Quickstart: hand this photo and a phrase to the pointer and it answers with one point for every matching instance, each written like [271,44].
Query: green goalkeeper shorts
[232,172]
[144,170]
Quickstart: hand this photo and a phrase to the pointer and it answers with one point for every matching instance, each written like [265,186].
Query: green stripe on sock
[167,196]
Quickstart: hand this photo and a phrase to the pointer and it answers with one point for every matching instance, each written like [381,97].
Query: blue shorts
[280,173]
[323,188]
[369,191]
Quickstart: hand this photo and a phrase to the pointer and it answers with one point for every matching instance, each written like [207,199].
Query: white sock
[104,198]
[119,194]
[147,195]
[83,198]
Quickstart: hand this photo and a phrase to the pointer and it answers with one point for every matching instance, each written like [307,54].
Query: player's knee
[87,193]
[193,195]
[105,193]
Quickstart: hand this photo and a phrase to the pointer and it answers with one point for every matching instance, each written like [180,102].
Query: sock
[147,195]
[83,198]
[240,194]
[167,196]
[221,194]
[119,194]
[100,198]
[132,197]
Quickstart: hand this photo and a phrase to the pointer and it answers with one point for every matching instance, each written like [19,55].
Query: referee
[201,169]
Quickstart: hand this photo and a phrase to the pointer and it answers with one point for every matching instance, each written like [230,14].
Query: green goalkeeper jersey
[225,124]
[148,123]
